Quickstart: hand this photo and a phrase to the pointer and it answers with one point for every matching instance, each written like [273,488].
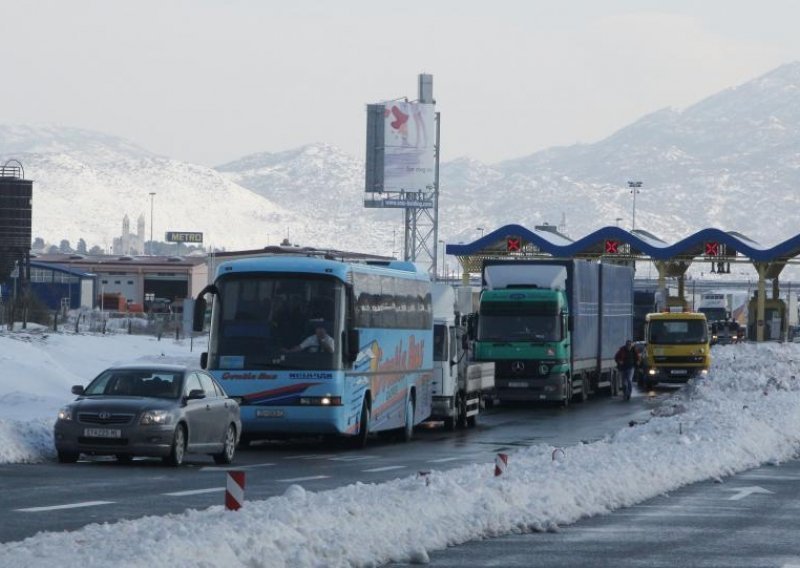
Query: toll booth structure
[720,249]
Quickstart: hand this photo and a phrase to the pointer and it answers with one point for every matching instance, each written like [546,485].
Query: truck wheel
[567,392]
[584,395]
[461,403]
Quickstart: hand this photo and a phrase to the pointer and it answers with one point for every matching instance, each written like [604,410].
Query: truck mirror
[199,315]
[204,360]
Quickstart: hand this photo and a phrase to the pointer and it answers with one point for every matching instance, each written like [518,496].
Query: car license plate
[517,385]
[269,413]
[678,371]
[102,433]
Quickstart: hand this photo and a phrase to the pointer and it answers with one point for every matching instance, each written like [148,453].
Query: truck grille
[678,360]
[523,368]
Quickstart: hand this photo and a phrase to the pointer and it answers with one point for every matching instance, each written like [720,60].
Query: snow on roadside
[744,414]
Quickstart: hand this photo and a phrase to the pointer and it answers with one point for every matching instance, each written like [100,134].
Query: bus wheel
[408,429]
[360,439]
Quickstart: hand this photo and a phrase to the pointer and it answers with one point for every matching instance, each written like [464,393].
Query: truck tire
[461,411]
[567,392]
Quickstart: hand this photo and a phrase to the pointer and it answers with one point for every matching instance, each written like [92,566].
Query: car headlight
[155,417]
[65,414]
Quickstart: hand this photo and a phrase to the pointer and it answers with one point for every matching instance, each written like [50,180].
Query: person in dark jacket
[627,359]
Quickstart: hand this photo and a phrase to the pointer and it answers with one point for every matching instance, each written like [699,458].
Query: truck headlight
[155,417]
[65,414]
[651,371]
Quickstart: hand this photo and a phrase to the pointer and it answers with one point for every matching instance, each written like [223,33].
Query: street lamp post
[444,273]
[481,230]
[634,185]
[152,195]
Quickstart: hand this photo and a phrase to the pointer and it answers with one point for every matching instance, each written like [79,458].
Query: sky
[211,81]
[742,415]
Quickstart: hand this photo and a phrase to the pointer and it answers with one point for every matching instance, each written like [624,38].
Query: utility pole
[634,186]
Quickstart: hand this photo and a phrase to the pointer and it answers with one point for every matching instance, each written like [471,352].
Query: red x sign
[612,246]
[513,244]
[712,248]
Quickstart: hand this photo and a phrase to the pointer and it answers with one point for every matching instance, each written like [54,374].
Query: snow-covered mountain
[86,182]
[730,161]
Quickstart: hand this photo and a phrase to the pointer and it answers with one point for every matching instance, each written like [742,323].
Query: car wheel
[124,458]
[67,457]
[229,449]
[178,450]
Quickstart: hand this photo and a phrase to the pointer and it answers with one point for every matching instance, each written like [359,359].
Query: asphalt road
[749,520]
[55,497]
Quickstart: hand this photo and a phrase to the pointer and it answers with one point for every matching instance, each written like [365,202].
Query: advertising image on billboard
[401,150]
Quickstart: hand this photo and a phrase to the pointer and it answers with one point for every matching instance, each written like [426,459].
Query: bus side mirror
[204,360]
[199,315]
[353,345]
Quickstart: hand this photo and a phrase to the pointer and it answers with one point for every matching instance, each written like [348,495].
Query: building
[136,278]
[57,286]
[129,243]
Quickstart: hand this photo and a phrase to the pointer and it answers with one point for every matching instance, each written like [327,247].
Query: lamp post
[152,195]
[618,220]
[444,272]
[481,230]
[634,186]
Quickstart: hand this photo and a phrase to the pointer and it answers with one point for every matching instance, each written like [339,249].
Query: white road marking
[69,506]
[742,492]
[387,468]
[234,468]
[310,457]
[442,460]
[297,479]
[353,458]
[195,492]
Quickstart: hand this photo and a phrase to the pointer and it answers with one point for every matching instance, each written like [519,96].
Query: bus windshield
[279,321]
[519,321]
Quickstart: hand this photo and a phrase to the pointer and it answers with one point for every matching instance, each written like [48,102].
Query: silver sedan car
[149,410]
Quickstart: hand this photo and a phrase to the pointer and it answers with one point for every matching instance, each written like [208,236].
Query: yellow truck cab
[677,347]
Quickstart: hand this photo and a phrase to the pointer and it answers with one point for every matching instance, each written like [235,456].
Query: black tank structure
[16,213]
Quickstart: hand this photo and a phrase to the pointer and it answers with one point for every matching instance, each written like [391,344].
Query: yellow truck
[677,347]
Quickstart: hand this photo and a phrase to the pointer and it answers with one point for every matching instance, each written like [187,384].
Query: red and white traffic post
[500,464]
[234,491]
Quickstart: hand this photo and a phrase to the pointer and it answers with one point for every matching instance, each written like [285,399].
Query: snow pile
[743,415]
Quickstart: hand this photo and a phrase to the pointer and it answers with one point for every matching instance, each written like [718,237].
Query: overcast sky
[211,81]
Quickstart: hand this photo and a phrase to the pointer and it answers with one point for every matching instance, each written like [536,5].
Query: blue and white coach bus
[312,346]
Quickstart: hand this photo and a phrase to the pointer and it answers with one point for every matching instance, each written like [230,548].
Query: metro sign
[612,247]
[712,248]
[513,244]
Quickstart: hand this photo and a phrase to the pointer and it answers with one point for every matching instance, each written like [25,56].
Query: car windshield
[136,382]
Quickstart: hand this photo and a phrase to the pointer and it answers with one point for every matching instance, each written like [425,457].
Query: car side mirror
[196,394]
[77,389]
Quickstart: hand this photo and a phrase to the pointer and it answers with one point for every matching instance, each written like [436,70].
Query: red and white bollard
[500,464]
[234,490]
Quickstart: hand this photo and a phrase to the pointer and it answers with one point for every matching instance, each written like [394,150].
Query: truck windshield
[678,332]
[267,321]
[714,314]
[519,321]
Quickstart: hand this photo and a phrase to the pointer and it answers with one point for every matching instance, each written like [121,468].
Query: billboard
[401,146]
[184,237]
